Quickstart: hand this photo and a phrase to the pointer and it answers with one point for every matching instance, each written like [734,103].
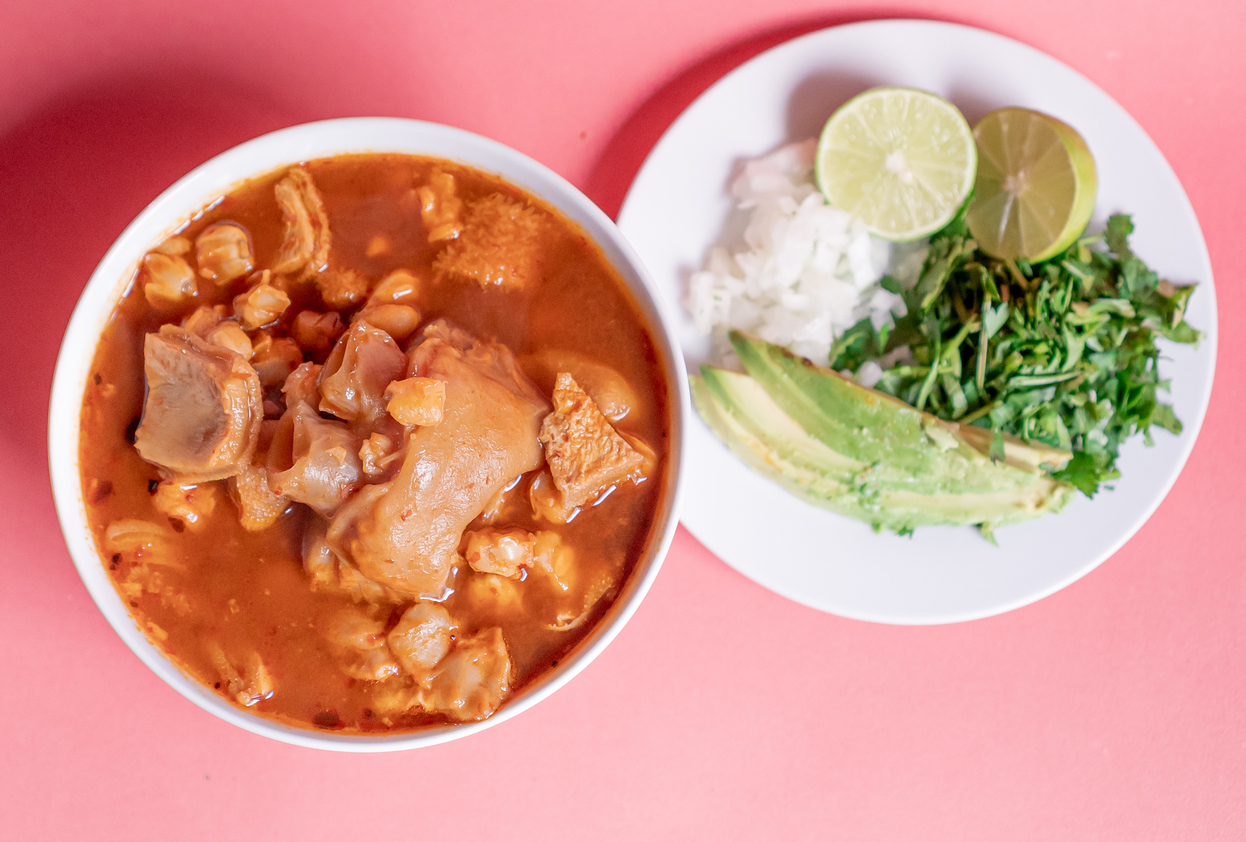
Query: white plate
[676,209]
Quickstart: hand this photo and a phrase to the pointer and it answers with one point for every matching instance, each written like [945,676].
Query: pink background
[1112,710]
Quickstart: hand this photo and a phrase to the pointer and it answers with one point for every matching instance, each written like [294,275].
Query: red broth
[246,593]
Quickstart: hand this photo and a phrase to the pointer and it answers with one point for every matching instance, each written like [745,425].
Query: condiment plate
[676,210]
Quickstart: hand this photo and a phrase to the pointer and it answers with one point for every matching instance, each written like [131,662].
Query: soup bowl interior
[113,277]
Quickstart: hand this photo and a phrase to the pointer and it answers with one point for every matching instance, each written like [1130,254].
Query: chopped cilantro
[1061,352]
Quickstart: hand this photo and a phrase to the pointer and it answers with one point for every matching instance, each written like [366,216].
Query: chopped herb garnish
[1061,352]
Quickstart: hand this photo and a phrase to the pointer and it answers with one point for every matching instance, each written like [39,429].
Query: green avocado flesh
[865,454]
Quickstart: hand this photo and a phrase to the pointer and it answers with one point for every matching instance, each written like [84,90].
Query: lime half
[902,160]
[1036,185]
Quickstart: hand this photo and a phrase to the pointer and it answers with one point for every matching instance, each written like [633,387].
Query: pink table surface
[1112,710]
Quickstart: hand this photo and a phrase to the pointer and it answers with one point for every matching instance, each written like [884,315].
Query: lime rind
[1036,185]
[903,160]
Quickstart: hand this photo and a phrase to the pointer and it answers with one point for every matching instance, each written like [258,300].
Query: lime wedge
[1036,185]
[902,160]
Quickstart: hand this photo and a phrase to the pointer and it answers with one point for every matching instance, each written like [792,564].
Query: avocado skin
[867,455]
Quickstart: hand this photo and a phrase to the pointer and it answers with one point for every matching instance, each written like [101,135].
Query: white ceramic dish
[676,210]
[194,191]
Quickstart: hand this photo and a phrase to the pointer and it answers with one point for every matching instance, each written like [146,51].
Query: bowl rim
[170,211]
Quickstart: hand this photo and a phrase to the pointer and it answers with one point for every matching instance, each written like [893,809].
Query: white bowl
[218,176]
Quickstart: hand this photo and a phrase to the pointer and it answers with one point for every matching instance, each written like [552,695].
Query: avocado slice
[866,454]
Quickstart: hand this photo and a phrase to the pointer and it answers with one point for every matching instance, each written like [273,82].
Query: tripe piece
[586,455]
[305,244]
[201,420]
[498,246]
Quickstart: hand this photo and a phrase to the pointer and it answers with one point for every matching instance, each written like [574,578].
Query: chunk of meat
[353,380]
[422,638]
[203,320]
[502,503]
[404,533]
[440,206]
[262,304]
[498,247]
[259,507]
[604,585]
[313,460]
[416,401]
[302,384]
[168,281]
[494,596]
[317,332]
[248,686]
[223,252]
[155,565]
[377,454]
[174,246]
[503,552]
[319,560]
[143,541]
[585,454]
[188,503]
[648,457]
[555,559]
[306,239]
[358,641]
[547,501]
[331,574]
[201,419]
[342,288]
[274,359]
[471,682]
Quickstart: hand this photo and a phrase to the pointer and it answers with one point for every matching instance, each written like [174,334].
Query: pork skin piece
[362,364]
[404,533]
[306,240]
[313,460]
[204,406]
[470,683]
[586,454]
